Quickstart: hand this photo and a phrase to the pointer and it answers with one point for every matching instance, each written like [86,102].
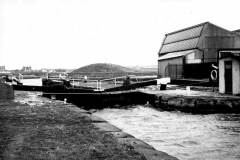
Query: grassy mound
[106,70]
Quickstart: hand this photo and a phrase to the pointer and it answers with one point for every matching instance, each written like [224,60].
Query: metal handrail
[99,83]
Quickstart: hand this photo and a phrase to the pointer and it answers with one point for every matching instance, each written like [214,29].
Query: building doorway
[228,76]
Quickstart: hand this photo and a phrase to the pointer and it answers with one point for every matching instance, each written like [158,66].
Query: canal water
[185,136]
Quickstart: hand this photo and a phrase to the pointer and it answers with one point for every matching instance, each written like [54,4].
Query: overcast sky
[74,33]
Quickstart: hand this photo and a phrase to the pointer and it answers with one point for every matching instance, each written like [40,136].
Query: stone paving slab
[151,154]
[96,119]
[136,143]
[121,135]
[106,127]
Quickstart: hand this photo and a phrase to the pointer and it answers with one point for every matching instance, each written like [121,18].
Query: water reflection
[186,136]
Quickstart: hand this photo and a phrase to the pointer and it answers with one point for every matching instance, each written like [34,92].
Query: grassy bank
[43,129]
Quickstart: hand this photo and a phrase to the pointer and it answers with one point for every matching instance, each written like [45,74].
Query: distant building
[26,69]
[229,71]
[43,70]
[190,52]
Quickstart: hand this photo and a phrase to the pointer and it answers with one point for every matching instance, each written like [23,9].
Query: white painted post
[188,90]
[115,81]
[20,76]
[97,85]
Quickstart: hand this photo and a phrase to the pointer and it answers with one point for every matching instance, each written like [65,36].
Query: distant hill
[103,67]
[104,70]
[101,71]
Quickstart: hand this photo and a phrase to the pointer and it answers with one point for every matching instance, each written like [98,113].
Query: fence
[109,82]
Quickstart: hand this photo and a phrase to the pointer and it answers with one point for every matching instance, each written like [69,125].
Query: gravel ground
[33,127]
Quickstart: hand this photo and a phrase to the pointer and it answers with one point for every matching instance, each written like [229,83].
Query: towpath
[33,127]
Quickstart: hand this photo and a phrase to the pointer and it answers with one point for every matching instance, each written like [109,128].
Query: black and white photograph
[119,80]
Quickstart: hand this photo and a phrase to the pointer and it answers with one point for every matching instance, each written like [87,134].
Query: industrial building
[26,69]
[191,52]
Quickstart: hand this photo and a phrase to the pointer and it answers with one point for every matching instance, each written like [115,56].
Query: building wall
[237,41]
[195,57]
[235,74]
[162,64]
[221,75]
[214,38]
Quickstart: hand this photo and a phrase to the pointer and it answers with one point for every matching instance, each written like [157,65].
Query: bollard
[53,97]
[188,90]
[65,101]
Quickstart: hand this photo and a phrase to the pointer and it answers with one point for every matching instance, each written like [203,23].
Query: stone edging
[198,104]
[123,138]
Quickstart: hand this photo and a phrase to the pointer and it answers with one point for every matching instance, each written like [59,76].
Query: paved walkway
[194,101]
[189,93]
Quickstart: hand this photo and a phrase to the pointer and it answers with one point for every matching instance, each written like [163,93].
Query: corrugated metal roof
[179,46]
[184,39]
[186,34]
[175,54]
